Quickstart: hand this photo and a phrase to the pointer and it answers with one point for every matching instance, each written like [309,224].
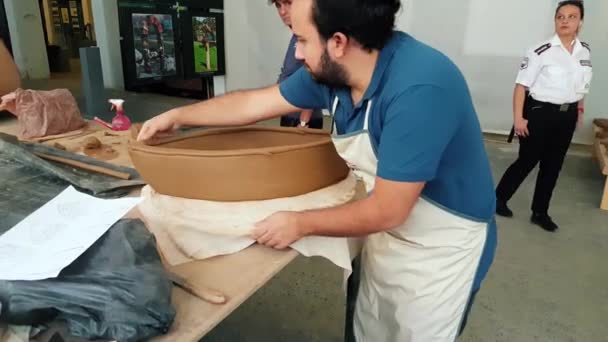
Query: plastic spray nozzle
[117,104]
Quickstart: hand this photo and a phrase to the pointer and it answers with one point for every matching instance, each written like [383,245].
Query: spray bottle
[120,122]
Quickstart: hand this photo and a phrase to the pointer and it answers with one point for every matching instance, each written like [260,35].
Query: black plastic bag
[117,290]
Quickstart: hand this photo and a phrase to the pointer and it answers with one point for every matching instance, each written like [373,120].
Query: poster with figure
[205,44]
[154,44]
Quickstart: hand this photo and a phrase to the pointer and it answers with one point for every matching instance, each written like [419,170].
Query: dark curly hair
[369,22]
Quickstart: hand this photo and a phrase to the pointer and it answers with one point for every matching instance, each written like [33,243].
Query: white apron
[416,279]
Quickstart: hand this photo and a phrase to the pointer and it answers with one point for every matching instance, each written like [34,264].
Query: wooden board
[602,157]
[237,275]
[600,152]
[117,140]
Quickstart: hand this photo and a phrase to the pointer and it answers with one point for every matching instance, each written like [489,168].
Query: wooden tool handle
[72,134]
[204,293]
[85,166]
[200,291]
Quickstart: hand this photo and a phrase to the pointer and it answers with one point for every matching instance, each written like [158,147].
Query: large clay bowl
[240,164]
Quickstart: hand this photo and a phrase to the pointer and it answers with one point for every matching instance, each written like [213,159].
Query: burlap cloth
[190,230]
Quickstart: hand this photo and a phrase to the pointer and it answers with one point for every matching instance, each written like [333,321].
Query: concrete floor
[543,286]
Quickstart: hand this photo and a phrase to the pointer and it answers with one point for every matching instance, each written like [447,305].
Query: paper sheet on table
[55,235]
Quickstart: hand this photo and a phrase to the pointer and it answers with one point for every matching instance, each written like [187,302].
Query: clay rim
[156,146]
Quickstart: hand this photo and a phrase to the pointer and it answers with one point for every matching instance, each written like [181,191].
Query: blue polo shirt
[422,124]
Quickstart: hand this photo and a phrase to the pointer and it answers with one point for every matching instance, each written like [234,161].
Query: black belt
[559,108]
[531,102]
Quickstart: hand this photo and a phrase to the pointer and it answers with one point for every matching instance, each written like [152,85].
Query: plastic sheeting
[117,290]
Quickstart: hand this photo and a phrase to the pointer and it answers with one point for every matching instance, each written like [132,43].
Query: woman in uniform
[553,80]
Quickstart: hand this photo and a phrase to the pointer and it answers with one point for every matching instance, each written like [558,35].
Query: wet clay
[240,164]
[103,152]
[91,143]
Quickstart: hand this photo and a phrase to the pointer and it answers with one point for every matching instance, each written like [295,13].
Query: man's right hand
[164,123]
[521,127]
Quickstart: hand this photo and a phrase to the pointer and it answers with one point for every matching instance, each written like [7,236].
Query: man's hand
[164,123]
[279,230]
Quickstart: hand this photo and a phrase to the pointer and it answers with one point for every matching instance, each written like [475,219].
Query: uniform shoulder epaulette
[586,46]
[542,48]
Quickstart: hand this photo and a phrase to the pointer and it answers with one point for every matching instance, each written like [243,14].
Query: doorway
[67,26]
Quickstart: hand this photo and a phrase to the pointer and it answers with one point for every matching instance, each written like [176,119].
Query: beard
[331,74]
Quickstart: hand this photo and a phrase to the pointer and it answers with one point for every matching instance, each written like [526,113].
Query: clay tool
[85,166]
[71,135]
[204,293]
[200,291]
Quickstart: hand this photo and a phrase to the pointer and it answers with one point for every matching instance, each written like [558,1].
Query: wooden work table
[600,153]
[238,275]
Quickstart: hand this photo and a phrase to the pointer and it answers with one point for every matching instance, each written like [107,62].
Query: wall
[487,39]
[596,33]
[87,14]
[46,4]
[105,16]
[27,37]
[254,47]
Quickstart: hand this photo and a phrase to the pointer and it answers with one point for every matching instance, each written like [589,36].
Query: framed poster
[203,35]
[205,44]
[154,45]
[150,49]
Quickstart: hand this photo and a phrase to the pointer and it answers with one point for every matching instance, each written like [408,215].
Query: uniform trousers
[551,128]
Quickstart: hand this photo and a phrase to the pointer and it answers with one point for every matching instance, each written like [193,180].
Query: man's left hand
[279,230]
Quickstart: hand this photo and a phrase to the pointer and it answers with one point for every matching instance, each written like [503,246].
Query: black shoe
[502,209]
[544,221]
